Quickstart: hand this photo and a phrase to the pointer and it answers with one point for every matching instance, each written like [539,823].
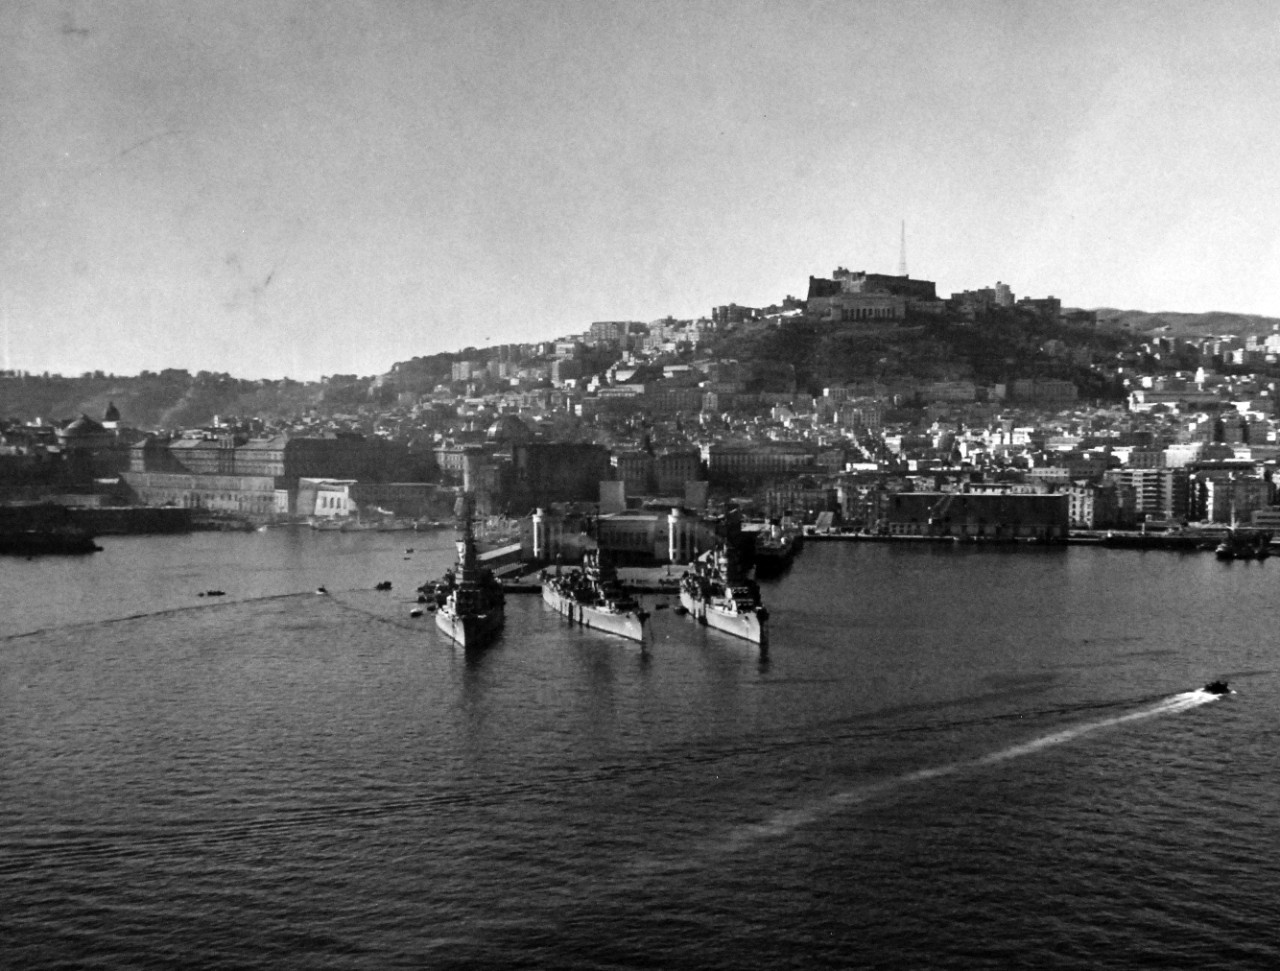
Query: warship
[716,593]
[469,599]
[593,597]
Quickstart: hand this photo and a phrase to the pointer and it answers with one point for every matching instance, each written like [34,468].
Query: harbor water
[950,757]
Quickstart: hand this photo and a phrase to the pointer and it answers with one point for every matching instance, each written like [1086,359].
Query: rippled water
[949,758]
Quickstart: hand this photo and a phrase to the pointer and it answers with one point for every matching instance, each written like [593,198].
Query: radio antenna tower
[902,252]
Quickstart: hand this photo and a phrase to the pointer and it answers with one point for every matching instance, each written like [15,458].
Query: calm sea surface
[950,758]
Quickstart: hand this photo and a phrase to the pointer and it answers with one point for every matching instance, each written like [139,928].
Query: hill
[802,354]
[1000,346]
[170,399]
[1217,323]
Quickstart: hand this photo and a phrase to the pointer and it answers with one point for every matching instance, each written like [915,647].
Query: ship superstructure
[593,597]
[469,599]
[715,592]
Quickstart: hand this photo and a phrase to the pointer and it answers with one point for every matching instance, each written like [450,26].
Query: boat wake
[1169,706]
[785,822]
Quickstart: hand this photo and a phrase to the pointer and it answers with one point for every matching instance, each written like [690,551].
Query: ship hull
[469,630]
[749,626]
[629,625]
[35,543]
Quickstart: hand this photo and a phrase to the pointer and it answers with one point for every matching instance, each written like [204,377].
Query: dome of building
[112,412]
[84,435]
[83,427]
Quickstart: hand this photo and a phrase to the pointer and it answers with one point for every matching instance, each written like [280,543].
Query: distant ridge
[790,355]
[1215,323]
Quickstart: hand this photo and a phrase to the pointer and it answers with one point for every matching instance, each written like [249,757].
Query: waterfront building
[283,456]
[326,498]
[1228,497]
[246,495]
[801,500]
[636,537]
[1158,493]
[971,516]
[257,478]
[1096,506]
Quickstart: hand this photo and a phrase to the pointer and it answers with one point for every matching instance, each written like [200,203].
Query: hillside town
[651,430]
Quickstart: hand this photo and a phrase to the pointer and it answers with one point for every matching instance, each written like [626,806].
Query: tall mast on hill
[902,252]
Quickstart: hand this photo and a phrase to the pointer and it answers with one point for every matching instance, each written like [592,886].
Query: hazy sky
[280,188]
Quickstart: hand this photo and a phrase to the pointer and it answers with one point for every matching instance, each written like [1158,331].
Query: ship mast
[464,510]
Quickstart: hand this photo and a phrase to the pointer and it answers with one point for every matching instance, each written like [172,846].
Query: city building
[971,516]
[638,537]
[544,473]
[1157,493]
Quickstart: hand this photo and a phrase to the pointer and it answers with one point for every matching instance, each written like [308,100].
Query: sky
[310,188]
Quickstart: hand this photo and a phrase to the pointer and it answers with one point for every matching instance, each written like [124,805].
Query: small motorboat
[1217,688]
[321,590]
[384,585]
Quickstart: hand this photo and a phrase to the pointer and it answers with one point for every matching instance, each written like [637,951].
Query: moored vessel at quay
[1244,544]
[40,542]
[593,597]
[469,600]
[35,529]
[716,593]
[775,547]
